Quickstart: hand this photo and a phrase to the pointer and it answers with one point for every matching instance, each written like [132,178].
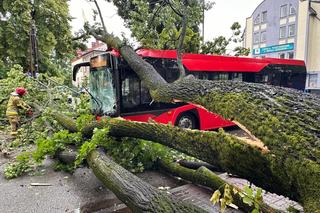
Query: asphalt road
[66,192]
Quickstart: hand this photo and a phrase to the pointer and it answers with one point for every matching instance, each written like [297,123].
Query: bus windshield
[102,89]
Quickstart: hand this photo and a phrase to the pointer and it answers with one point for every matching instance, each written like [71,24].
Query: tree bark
[280,172]
[197,165]
[205,177]
[138,195]
[290,175]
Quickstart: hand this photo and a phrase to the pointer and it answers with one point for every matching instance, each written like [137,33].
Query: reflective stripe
[11,113]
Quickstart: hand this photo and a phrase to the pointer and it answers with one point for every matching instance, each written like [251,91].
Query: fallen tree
[138,195]
[285,120]
[205,177]
[108,172]
[256,163]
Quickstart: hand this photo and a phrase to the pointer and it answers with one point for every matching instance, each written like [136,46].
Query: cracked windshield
[103,92]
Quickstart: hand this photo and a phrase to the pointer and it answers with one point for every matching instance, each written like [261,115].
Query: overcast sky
[217,20]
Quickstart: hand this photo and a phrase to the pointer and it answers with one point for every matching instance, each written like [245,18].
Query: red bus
[116,90]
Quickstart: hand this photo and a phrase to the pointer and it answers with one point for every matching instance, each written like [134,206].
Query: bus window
[170,67]
[130,91]
[205,76]
[248,77]
[286,79]
[276,77]
[263,78]
[172,75]
[298,80]
[236,76]
[215,76]
[202,76]
[223,76]
[145,95]
[101,87]
[196,75]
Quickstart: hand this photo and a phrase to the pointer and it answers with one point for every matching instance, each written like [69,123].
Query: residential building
[97,48]
[287,29]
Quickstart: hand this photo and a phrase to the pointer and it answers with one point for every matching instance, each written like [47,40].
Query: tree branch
[180,47]
[101,17]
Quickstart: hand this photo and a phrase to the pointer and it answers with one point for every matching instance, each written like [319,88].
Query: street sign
[272,49]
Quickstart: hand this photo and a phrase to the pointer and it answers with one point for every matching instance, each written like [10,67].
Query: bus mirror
[76,69]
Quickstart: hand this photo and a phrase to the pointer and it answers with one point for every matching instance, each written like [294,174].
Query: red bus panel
[207,120]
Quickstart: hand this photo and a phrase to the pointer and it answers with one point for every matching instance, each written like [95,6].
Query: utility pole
[34,67]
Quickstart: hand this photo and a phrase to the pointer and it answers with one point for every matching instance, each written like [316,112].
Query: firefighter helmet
[21,91]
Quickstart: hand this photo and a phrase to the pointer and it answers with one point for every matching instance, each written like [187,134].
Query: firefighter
[15,102]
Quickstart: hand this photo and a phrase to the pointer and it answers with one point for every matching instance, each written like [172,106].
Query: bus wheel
[186,121]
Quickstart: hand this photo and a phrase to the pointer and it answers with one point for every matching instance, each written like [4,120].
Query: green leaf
[247,200]
[258,196]
[255,211]
[227,194]
[215,197]
[223,204]
[248,191]
[235,190]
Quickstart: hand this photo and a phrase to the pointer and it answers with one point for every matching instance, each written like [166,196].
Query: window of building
[283,11]
[292,10]
[263,36]
[290,55]
[291,30]
[282,55]
[312,80]
[257,19]
[256,38]
[264,17]
[283,31]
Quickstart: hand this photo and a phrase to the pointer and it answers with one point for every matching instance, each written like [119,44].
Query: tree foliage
[220,44]
[53,33]
[156,24]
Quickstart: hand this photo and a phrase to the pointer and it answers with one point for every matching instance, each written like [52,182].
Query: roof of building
[95,47]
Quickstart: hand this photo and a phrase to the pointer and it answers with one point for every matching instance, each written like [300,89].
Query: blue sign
[272,49]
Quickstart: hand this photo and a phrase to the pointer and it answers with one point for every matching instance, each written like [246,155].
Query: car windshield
[102,89]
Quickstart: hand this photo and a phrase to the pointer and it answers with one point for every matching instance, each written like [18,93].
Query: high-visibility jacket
[14,103]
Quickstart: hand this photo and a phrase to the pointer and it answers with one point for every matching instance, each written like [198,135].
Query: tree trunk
[196,165]
[205,177]
[280,172]
[138,195]
[276,171]
[286,120]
